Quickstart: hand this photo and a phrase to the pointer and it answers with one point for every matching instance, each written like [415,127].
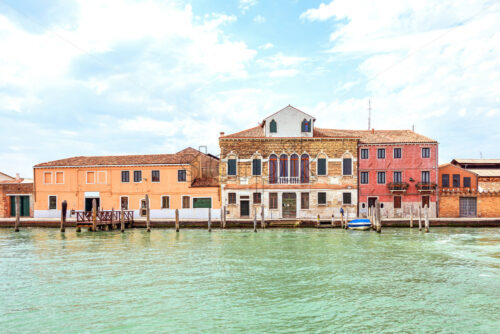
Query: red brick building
[10,187]
[400,169]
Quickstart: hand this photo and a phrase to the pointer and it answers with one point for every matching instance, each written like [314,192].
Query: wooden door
[244,208]
[289,205]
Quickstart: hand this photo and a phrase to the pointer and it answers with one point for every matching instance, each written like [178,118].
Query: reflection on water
[302,280]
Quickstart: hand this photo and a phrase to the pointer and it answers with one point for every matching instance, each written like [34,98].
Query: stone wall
[489,183]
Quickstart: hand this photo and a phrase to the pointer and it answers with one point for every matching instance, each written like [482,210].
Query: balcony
[426,186]
[398,186]
[287,180]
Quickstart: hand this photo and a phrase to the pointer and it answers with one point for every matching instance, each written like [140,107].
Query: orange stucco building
[186,180]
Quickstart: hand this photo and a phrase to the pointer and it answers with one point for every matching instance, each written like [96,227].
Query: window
[321,198]
[397,153]
[306,125]
[165,202]
[364,153]
[304,168]
[202,202]
[90,177]
[283,165]
[47,177]
[231,167]
[52,202]
[397,202]
[137,176]
[381,153]
[257,198]
[456,180]
[467,182]
[322,166]
[256,167]
[347,166]
[397,177]
[124,203]
[426,152]
[181,175]
[101,177]
[381,177]
[273,168]
[364,178]
[59,177]
[273,127]
[445,180]
[125,176]
[304,201]
[294,166]
[426,177]
[185,202]
[346,198]
[232,198]
[273,200]
[155,176]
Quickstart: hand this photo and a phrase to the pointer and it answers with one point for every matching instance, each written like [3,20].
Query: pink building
[400,169]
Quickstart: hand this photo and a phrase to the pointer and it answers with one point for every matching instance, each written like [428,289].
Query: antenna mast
[369,113]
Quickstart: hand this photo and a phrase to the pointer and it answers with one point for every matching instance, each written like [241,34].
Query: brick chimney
[373,130]
[222,134]
[18,177]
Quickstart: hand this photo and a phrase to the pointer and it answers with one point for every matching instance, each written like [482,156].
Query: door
[143,211]
[289,205]
[88,203]
[24,205]
[425,201]
[468,207]
[371,202]
[245,208]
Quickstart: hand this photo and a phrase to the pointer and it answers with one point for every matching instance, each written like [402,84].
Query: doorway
[426,201]
[244,208]
[88,203]
[289,205]
[24,206]
[371,202]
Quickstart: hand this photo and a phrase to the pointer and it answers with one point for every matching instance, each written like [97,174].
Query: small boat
[359,224]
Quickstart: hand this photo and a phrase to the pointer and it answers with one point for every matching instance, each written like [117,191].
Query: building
[10,187]
[289,168]
[470,188]
[186,180]
[400,169]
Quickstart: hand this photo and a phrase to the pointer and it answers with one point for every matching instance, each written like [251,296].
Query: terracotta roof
[477,161]
[182,157]
[4,177]
[255,132]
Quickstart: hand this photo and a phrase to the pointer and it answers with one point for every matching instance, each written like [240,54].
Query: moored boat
[359,224]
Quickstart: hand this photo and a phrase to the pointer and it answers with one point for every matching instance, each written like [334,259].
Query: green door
[24,204]
[202,202]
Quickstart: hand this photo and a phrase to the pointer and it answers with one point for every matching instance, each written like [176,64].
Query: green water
[234,281]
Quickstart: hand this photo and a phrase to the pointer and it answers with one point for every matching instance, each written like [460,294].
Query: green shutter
[204,202]
[12,206]
[321,166]
[272,126]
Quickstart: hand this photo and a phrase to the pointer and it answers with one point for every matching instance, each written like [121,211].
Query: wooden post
[221,216]
[176,220]
[94,215]
[333,220]
[426,209]
[224,225]
[122,220]
[148,220]
[317,222]
[262,218]
[379,219]
[209,220]
[411,216]
[64,208]
[113,225]
[18,213]
[255,219]
[420,218]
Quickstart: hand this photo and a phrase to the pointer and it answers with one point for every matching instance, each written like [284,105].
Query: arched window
[304,168]
[273,168]
[273,127]
[306,125]
[294,167]
[283,165]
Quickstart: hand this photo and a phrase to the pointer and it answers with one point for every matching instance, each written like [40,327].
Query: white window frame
[385,152]
[121,176]
[48,202]
[44,173]
[87,177]
[422,152]
[159,175]
[55,178]
[326,198]
[133,176]
[393,149]
[361,155]
[385,177]
[161,203]
[395,171]
[346,192]
[360,178]
[254,158]
[182,202]
[105,176]
[185,177]
[128,202]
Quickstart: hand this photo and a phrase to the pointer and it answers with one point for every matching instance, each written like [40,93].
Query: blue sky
[134,77]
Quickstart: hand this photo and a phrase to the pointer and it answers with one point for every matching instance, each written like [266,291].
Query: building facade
[288,168]
[186,180]
[12,187]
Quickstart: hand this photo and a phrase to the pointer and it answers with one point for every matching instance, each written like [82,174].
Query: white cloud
[283,73]
[266,46]
[259,19]
[246,4]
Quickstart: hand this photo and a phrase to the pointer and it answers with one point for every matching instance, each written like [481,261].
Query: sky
[137,77]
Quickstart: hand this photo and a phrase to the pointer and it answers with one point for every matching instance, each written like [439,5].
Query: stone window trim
[186,204]
[55,177]
[344,198]
[49,202]
[231,198]
[137,175]
[364,177]
[380,153]
[304,201]
[44,178]
[322,155]
[347,156]
[322,194]
[230,158]
[426,152]
[394,176]
[257,198]
[381,176]
[93,177]
[153,176]
[125,176]
[273,201]
[167,206]
[181,175]
[397,153]
[364,153]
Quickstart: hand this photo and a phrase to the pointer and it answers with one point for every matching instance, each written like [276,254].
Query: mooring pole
[122,219]
[113,225]
[379,219]
[224,224]
[426,209]
[262,219]
[148,228]
[221,216]
[255,219]
[176,220]
[333,220]
[64,208]
[209,220]
[94,215]
[420,218]
[411,216]
[18,209]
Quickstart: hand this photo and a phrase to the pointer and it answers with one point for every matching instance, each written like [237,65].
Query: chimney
[373,130]
[17,177]
[222,134]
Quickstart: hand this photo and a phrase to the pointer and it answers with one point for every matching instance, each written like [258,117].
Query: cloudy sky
[132,77]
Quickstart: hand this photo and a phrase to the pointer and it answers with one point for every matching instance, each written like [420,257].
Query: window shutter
[256,166]
[321,166]
[231,167]
[347,166]
[346,198]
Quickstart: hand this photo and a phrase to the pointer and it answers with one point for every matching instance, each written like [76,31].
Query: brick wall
[488,204]
[490,183]
[13,188]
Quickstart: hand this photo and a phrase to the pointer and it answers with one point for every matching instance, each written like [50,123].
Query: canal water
[238,281]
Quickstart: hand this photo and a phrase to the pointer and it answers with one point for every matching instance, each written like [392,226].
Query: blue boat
[359,224]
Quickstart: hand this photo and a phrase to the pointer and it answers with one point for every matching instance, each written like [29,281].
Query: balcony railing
[287,180]
[398,186]
[426,186]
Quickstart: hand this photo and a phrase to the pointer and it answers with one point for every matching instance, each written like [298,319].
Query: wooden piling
[379,219]
[64,209]
[420,218]
[317,222]
[426,210]
[148,218]
[209,220]
[113,225]
[411,216]
[255,219]
[94,215]
[224,224]
[176,220]
[18,213]
[122,220]
[333,220]
[262,218]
